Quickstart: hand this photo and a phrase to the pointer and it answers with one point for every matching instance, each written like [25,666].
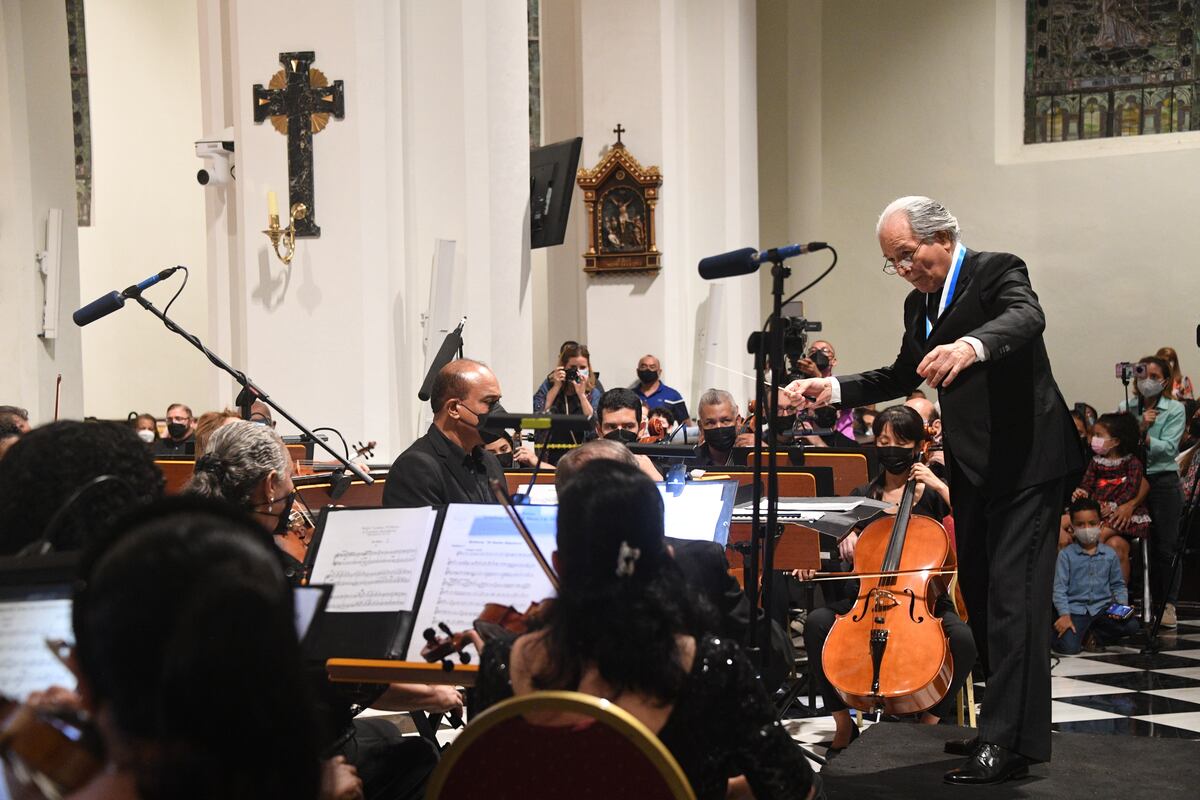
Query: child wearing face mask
[1087,580]
[1161,423]
[1117,481]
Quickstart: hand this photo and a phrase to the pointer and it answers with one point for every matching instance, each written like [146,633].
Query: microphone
[113,301]
[445,354]
[747,260]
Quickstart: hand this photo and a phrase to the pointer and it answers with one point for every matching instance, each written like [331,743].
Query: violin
[890,652]
[56,750]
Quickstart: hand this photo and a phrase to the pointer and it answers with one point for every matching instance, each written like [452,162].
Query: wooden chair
[523,748]
[964,706]
[176,473]
[849,469]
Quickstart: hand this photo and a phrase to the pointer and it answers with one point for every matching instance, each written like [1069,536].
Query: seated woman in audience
[179,717]
[1181,385]
[146,428]
[623,628]
[899,434]
[1116,479]
[207,425]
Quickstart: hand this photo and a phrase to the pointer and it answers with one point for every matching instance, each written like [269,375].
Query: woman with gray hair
[248,466]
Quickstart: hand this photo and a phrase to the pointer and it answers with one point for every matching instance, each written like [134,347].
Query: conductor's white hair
[926,216]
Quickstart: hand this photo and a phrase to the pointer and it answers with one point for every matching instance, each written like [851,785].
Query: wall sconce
[286,236]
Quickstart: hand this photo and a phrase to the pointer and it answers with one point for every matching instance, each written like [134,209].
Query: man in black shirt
[180,440]
[449,463]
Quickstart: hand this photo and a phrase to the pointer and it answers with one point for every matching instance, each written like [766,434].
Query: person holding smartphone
[1090,596]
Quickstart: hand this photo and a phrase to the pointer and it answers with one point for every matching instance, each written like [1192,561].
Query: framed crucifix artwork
[620,196]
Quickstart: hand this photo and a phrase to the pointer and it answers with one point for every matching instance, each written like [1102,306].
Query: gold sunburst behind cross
[317,80]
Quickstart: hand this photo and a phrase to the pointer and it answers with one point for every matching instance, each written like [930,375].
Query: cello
[890,652]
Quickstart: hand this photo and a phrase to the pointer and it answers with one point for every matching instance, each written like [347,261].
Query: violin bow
[501,494]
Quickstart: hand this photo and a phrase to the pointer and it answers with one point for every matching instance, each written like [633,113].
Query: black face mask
[647,376]
[783,425]
[621,435]
[896,460]
[505,459]
[721,438]
[285,516]
[177,430]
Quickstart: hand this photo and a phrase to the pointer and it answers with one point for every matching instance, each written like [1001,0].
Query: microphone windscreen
[445,355]
[726,265]
[100,307]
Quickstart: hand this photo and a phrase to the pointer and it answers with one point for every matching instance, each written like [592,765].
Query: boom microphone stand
[249,389]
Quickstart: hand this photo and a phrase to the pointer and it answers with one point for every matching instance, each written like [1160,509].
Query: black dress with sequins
[722,724]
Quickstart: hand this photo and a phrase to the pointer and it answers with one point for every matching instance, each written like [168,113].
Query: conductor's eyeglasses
[904,264]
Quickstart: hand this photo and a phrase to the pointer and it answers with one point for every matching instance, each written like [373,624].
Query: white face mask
[1150,387]
[583,372]
[1087,536]
[146,435]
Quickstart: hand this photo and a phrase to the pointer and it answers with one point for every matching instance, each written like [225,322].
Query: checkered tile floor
[1119,692]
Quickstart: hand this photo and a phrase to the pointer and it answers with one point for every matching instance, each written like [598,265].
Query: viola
[890,652]
[57,750]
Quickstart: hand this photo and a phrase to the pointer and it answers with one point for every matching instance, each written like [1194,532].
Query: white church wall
[148,209]
[908,105]
[36,174]
[434,144]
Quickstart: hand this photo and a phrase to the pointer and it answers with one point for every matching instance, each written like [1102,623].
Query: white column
[433,145]
[680,76]
[36,174]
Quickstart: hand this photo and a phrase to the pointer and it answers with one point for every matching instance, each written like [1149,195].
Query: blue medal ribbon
[960,252]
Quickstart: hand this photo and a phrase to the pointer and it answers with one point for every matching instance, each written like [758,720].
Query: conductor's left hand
[941,365]
[814,392]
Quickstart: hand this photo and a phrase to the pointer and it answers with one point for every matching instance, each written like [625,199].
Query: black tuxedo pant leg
[1006,553]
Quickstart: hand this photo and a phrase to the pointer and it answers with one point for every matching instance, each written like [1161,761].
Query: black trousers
[392,766]
[962,650]
[1006,555]
[1165,503]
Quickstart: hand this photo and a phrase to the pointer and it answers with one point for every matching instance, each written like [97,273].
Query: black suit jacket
[1005,423]
[434,471]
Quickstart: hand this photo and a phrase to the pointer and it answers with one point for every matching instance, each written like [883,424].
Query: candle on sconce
[272,206]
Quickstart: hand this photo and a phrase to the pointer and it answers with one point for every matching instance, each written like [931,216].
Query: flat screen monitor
[551,181]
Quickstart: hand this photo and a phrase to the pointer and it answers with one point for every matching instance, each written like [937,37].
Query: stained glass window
[80,113]
[1101,68]
[535,75]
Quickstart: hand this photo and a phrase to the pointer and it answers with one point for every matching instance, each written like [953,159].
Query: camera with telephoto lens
[572,374]
[1127,370]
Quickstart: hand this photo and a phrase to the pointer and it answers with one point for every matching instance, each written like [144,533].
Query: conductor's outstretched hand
[814,392]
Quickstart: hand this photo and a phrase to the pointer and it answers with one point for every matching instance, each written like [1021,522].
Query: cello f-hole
[912,606]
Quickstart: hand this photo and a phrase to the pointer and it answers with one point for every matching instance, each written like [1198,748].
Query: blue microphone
[747,260]
[113,301]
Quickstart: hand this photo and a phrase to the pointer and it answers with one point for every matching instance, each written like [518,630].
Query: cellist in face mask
[899,436]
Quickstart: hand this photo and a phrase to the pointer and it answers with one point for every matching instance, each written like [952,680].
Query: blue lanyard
[951,283]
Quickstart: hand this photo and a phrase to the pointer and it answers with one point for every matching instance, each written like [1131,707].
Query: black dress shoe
[990,763]
[833,751]
[962,747]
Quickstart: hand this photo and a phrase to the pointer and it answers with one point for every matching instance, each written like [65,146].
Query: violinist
[624,627]
[722,429]
[899,437]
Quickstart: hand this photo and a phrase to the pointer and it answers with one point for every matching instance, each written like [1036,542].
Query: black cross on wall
[298,101]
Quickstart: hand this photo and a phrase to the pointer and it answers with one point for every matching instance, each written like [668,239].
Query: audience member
[65,482]
[624,627]
[721,430]
[1116,479]
[181,429]
[899,434]
[171,707]
[570,388]
[449,463]
[1087,579]
[1189,464]
[1181,385]
[207,425]
[146,428]
[17,416]
[656,393]
[260,412]
[9,433]
[1161,422]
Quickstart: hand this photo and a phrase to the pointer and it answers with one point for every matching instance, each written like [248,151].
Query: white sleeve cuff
[835,391]
[981,353]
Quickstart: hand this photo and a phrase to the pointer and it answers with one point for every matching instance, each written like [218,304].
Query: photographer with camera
[1160,423]
[819,364]
[570,388]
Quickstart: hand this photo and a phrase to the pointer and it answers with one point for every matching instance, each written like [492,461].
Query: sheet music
[542,494]
[695,512]
[26,664]
[373,557]
[481,558]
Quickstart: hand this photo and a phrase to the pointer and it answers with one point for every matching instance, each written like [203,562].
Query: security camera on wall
[218,153]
